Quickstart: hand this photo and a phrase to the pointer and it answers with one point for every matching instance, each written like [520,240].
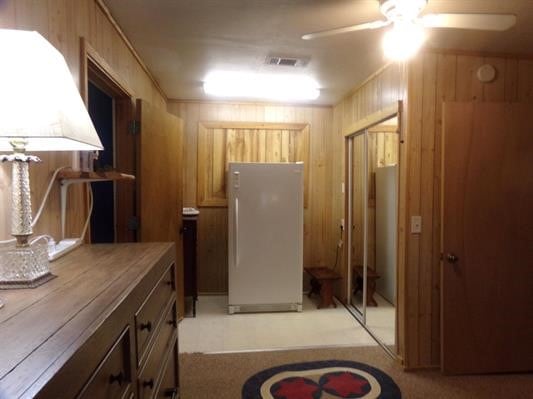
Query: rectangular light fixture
[276,87]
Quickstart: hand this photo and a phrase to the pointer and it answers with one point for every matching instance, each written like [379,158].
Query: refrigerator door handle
[236,238]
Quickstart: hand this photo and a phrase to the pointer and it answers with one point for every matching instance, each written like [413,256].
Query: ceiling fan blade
[346,29]
[496,22]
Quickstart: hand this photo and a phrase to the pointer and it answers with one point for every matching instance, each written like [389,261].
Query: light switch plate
[416,224]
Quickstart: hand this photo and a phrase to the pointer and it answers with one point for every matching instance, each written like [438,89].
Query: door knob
[451,258]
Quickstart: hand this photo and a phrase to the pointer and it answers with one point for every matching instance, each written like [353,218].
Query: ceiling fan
[408,24]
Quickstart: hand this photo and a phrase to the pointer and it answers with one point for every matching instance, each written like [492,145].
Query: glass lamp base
[24,267]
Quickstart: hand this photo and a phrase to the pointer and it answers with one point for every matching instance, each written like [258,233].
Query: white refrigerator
[386,230]
[265,236]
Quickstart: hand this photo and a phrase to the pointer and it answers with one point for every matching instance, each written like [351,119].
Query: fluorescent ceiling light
[403,41]
[261,86]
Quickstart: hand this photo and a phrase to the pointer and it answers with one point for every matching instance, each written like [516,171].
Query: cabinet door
[160,182]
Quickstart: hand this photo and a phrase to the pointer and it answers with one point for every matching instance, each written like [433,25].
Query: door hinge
[133,223]
[134,127]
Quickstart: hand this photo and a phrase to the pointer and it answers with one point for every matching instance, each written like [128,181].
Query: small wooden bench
[322,279]
[371,277]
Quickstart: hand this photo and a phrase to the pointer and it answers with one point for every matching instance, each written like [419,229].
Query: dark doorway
[103,215]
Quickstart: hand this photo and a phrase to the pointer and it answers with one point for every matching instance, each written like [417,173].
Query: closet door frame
[359,128]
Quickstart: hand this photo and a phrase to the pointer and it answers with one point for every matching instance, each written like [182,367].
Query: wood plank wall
[431,79]
[222,143]
[63,22]
[383,89]
[320,226]
[436,77]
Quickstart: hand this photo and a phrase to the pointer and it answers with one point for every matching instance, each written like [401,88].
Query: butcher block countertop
[45,329]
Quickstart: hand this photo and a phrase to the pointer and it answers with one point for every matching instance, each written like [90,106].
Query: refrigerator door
[265,242]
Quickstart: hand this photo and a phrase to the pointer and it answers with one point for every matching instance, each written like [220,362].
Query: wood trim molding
[383,129]
[90,55]
[120,32]
[472,53]
[373,119]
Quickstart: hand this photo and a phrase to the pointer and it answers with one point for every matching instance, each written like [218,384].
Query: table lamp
[40,110]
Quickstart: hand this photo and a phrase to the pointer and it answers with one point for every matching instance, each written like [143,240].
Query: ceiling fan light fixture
[403,41]
[276,87]
[402,9]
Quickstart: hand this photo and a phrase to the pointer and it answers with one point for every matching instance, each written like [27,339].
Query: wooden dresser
[106,327]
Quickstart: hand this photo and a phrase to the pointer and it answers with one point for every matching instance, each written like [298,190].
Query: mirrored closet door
[373,156]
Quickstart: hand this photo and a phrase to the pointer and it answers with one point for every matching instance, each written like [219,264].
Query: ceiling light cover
[403,41]
[275,87]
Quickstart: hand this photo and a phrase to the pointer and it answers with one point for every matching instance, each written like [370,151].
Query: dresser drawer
[112,378]
[149,314]
[169,387]
[149,375]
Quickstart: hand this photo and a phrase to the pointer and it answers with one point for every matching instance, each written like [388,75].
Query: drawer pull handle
[172,323]
[146,326]
[149,383]
[119,378]
[171,393]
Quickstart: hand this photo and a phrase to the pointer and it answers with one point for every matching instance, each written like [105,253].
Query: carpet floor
[221,376]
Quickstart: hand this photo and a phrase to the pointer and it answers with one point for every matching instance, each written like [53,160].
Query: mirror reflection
[357,246]
[382,187]
[374,156]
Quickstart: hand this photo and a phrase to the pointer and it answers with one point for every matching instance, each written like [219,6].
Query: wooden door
[487,267]
[160,182]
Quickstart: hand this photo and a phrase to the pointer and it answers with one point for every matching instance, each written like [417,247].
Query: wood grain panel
[370,103]
[160,183]
[487,225]
[315,139]
[434,77]
[63,22]
[264,143]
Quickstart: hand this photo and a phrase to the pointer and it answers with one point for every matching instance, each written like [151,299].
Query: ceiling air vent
[286,61]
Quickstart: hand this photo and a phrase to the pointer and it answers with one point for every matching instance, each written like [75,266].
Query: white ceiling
[182,40]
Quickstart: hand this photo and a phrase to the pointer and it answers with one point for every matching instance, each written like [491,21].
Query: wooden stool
[322,279]
[371,277]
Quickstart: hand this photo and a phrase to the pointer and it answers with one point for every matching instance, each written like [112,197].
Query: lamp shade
[39,100]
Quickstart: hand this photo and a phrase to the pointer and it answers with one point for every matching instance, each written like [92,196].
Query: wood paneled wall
[320,225]
[433,79]
[381,91]
[63,22]
[424,85]
[220,143]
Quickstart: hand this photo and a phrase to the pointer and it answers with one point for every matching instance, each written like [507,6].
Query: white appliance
[265,237]
[386,230]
